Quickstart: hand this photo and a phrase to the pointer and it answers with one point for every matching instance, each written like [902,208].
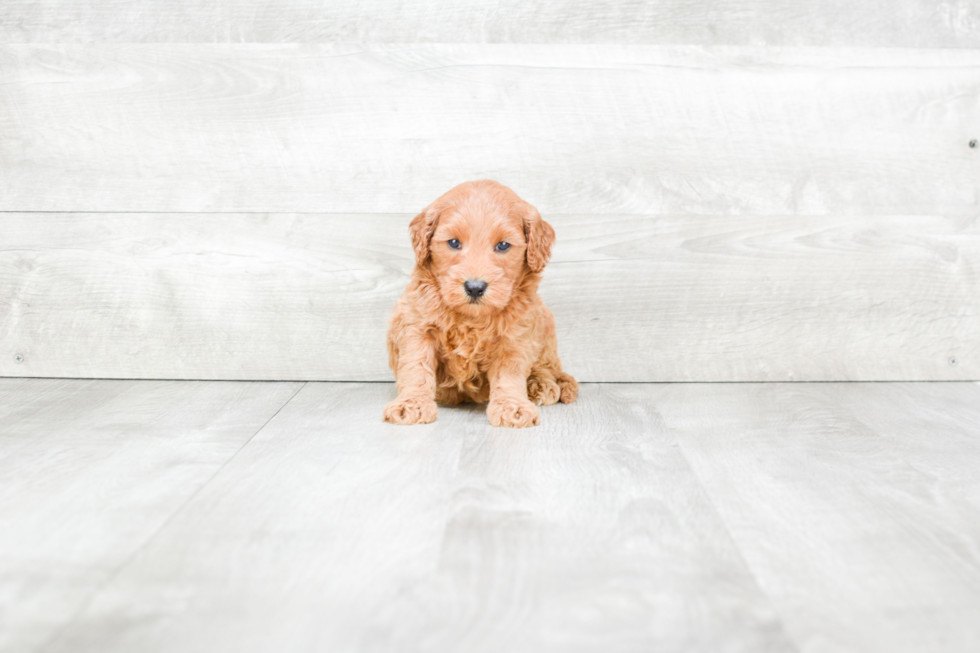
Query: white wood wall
[750,190]
[874,23]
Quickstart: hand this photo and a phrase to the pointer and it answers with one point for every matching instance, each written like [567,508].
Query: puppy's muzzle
[475,289]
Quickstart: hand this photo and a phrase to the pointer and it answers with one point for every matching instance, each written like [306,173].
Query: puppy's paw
[542,391]
[411,410]
[513,413]
[569,388]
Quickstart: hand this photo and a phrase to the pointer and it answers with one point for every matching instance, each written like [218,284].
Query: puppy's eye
[502,247]
[455,244]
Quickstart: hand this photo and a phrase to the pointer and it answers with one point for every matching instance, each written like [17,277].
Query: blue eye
[502,247]
[455,244]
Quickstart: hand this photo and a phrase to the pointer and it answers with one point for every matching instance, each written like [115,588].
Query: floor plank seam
[129,559]
[773,603]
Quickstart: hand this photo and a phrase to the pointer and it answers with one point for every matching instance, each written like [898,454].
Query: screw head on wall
[18,358]
[953,361]
[973,143]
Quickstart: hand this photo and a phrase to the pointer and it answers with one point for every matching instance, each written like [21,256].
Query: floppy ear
[421,229]
[540,237]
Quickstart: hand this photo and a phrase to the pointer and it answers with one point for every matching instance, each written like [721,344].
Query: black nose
[475,289]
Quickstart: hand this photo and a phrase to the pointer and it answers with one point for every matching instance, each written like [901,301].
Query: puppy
[470,326]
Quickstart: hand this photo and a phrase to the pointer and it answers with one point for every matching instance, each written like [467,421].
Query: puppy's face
[480,239]
[477,257]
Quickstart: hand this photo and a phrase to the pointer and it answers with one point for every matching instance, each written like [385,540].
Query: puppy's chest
[466,352]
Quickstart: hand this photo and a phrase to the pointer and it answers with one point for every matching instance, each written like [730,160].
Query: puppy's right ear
[540,237]
[421,229]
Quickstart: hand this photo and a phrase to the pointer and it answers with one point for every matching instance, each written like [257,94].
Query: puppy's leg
[509,405]
[415,378]
[548,384]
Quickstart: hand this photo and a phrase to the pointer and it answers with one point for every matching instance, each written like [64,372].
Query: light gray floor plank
[332,531]
[834,495]
[90,470]
[817,517]
[934,426]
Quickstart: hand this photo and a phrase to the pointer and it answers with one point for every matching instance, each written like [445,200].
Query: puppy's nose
[475,289]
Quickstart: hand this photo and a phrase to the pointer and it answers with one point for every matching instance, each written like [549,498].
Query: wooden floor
[247,516]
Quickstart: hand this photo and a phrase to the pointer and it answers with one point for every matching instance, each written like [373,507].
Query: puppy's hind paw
[569,388]
[542,391]
[411,410]
[513,413]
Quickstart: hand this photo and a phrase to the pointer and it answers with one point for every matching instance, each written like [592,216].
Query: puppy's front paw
[513,413]
[411,410]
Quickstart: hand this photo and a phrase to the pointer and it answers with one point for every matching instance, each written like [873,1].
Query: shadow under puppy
[470,325]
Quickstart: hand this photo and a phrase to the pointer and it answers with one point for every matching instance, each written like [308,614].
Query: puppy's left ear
[540,237]
[421,229]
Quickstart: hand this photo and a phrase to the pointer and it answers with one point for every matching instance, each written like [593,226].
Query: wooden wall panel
[575,129]
[917,23]
[637,298]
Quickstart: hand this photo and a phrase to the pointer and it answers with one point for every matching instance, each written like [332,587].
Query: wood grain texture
[626,129]
[91,470]
[636,298]
[668,517]
[938,436]
[332,531]
[915,23]
[834,496]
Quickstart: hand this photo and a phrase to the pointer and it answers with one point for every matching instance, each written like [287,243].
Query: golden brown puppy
[470,326]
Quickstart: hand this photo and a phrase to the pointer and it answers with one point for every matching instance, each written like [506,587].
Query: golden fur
[500,347]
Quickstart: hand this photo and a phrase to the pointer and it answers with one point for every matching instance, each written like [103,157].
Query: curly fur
[500,348]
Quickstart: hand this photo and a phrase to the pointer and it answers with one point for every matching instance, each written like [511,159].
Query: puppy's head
[479,241]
